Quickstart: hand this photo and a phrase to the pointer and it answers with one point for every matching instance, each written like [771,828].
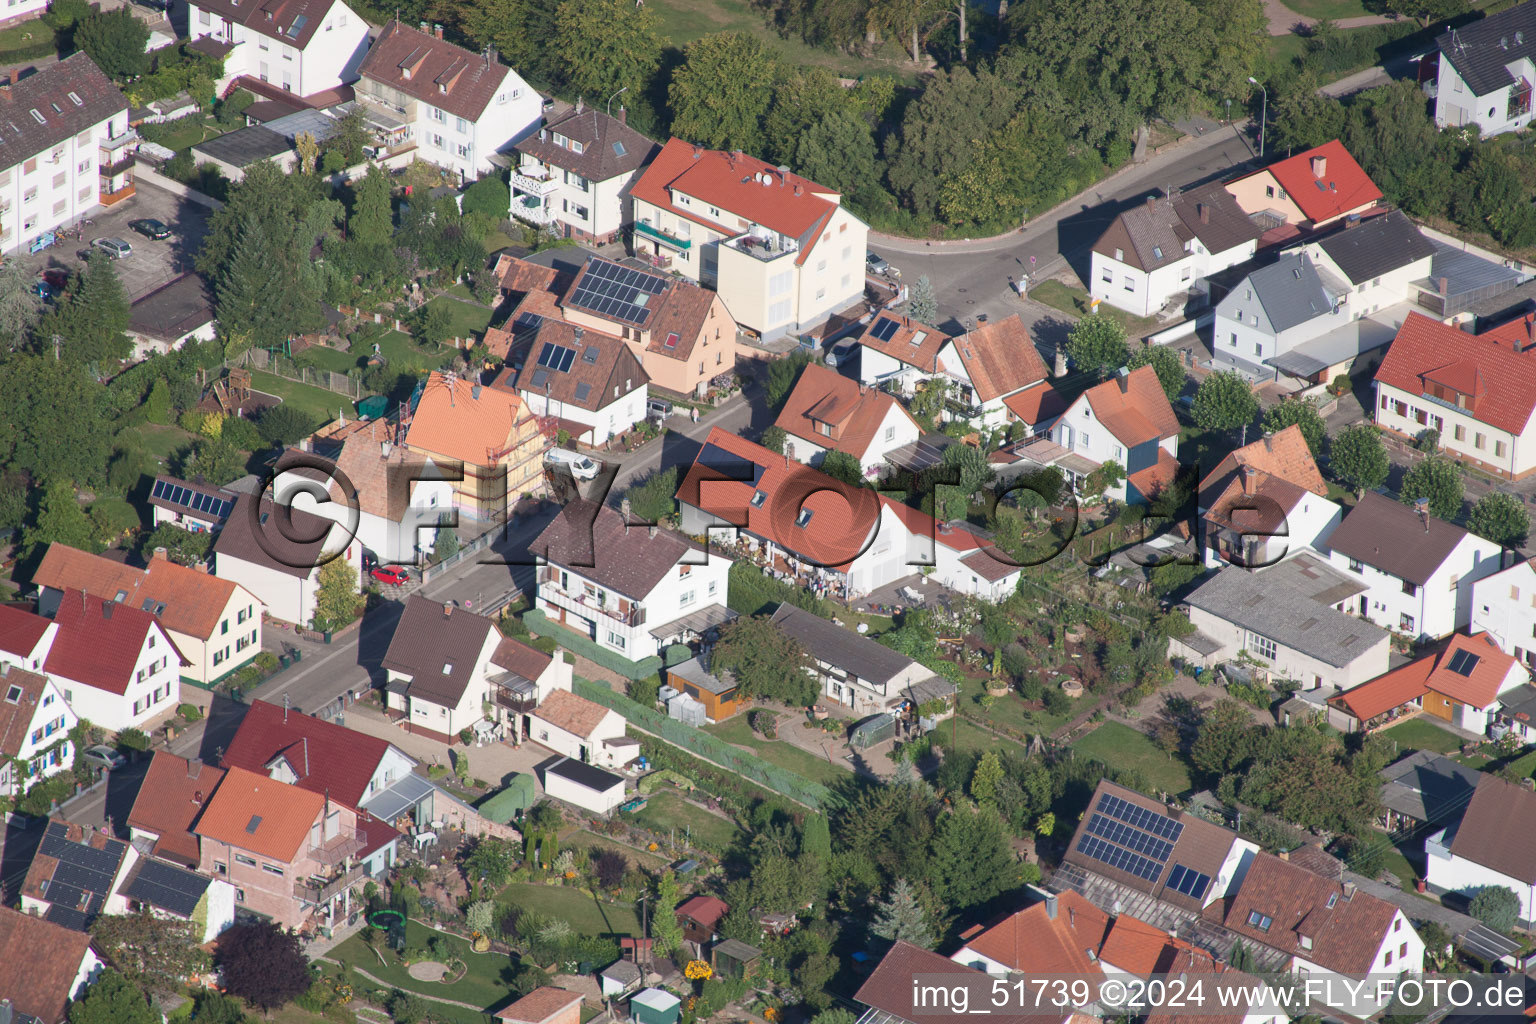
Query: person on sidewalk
[693,411]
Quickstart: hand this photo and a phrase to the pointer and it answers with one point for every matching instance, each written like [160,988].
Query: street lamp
[1263,114]
[614,97]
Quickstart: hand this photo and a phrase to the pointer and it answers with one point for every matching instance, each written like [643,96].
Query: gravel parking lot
[152,263]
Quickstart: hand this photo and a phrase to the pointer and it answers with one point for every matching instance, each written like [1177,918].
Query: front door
[585,756]
[1365,606]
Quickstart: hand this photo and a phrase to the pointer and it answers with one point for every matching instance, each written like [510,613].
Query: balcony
[111,148]
[520,698]
[533,209]
[124,162]
[765,249]
[540,184]
[108,198]
[656,234]
[586,605]
[339,847]
[317,889]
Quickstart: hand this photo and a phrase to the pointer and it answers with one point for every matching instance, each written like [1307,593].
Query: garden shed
[734,959]
[653,1006]
[875,729]
[509,804]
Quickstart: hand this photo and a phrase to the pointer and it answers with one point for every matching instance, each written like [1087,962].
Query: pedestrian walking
[694,413]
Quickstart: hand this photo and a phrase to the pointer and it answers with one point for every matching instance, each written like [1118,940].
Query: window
[1411,589]
[223,628]
[1498,449]
[1478,441]
[1119,453]
[1262,646]
[30,167]
[218,656]
[1130,284]
[1402,951]
[241,858]
[1388,959]
[272,869]
[203,18]
[1306,942]
[1232,341]
[712,586]
[1269,191]
[1405,623]
[1259,921]
[1108,276]
[460,125]
[616,640]
[687,598]
[1120,254]
[1460,431]
[890,433]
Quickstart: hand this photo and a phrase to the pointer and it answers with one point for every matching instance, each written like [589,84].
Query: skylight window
[804,517]
[618,149]
[39,117]
[76,100]
[1333,898]
[1157,252]
[1259,921]
[758,497]
[13,695]
[254,824]
[447,668]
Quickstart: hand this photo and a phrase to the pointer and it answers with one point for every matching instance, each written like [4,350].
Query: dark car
[151,228]
[393,575]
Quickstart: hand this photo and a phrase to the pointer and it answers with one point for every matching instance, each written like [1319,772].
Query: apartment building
[305,47]
[574,175]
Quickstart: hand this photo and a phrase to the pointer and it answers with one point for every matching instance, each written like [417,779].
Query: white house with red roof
[988,366]
[1127,420]
[1265,501]
[1477,390]
[782,251]
[116,665]
[35,720]
[1460,685]
[299,46]
[1504,607]
[1313,189]
[829,412]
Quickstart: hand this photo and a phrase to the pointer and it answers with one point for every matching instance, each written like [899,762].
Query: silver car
[115,248]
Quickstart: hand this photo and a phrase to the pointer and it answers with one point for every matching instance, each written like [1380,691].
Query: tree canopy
[1358,458]
[1500,517]
[1224,401]
[1096,343]
[1165,363]
[1301,414]
[765,661]
[262,964]
[1437,479]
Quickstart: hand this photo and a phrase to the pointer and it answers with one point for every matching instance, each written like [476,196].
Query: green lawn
[318,402]
[790,758]
[163,440]
[190,131]
[325,358]
[592,841]
[1421,733]
[401,350]
[1075,301]
[464,319]
[585,913]
[665,812]
[1332,10]
[1009,711]
[1123,747]
[28,33]
[967,735]
[482,985]
[683,21]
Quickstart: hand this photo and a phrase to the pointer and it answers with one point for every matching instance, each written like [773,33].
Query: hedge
[707,746]
[538,623]
[33,51]
[750,591]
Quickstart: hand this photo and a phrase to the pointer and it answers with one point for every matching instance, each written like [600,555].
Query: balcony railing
[114,145]
[653,232]
[111,168]
[510,699]
[339,847]
[316,889]
[534,184]
[108,197]
[764,249]
[551,591]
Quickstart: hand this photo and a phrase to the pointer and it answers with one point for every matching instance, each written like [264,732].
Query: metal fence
[283,366]
[710,748]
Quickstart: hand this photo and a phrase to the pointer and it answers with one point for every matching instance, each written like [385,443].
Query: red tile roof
[789,204]
[172,795]
[16,716]
[1000,358]
[1344,935]
[539,1005]
[515,656]
[326,757]
[1036,405]
[99,641]
[21,630]
[853,411]
[576,715]
[1283,454]
[1432,674]
[1344,183]
[193,600]
[842,518]
[706,910]
[889,987]
[1499,383]
[1135,946]
[1149,481]
[440,74]
[255,813]
[1034,942]
[38,964]
[912,342]
[1134,407]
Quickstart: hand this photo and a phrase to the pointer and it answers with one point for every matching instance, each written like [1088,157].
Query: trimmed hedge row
[539,624]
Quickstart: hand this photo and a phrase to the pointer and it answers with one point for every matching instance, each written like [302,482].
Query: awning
[1337,346]
[699,622]
[400,798]
[1487,944]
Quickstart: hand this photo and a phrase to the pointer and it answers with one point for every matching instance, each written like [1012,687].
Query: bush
[191,712]
[1055,700]
[1497,907]
[132,739]
[538,622]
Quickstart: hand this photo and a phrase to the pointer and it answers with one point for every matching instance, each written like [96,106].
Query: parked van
[581,467]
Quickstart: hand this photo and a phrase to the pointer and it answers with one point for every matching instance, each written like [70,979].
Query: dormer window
[1306,942]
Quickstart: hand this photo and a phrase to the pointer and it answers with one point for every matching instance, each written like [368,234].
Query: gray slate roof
[437,648]
[58,117]
[1392,537]
[609,147]
[1376,245]
[1291,604]
[1158,230]
[826,641]
[623,558]
[244,147]
[1291,291]
[1427,786]
[1479,51]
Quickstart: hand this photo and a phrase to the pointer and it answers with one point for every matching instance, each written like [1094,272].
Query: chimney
[194,767]
[1530,329]
[1319,166]
[474,391]
[581,104]
[1284,854]
[161,553]
[1443,285]
[653,531]
[1205,212]
[1151,203]
[383,449]
[1123,375]
[447,608]
[106,609]
[1349,891]
[437,30]
[578,332]
[423,26]
[623,115]
[197,798]
[1060,368]
[5,87]
[1050,906]
[1421,506]
[1072,917]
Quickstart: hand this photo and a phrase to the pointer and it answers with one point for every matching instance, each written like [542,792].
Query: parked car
[658,409]
[103,756]
[115,248]
[581,467]
[876,263]
[55,278]
[151,228]
[393,575]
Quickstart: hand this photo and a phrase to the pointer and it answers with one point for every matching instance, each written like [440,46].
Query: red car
[394,575]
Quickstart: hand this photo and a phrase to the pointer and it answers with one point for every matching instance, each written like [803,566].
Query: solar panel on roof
[1159,825]
[1130,838]
[1188,881]
[1116,857]
[1464,663]
[884,329]
[167,886]
[556,357]
[617,291]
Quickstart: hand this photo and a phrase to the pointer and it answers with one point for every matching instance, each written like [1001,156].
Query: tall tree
[1438,479]
[1358,458]
[114,40]
[944,129]
[765,661]
[523,31]
[971,861]
[20,304]
[816,838]
[1096,344]
[722,90]
[336,596]
[60,520]
[156,953]
[36,437]
[986,778]
[1165,363]
[112,999]
[263,298]
[263,964]
[88,324]
[607,45]
[901,918]
[372,222]
[839,152]
[922,303]
[1224,402]
[664,925]
[1301,414]
[1222,741]
[1501,517]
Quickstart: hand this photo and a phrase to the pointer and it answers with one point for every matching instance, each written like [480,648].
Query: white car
[581,467]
